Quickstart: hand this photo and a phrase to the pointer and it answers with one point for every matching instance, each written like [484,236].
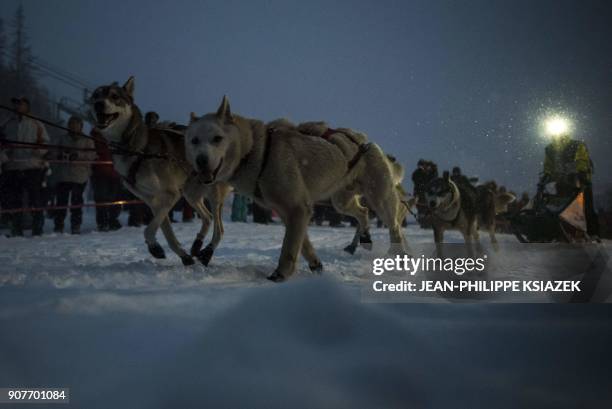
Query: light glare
[557,126]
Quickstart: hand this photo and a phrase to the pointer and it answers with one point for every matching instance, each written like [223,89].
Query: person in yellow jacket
[568,164]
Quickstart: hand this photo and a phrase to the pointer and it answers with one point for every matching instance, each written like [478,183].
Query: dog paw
[205,255]
[367,246]
[187,260]
[316,268]
[365,240]
[196,247]
[350,249]
[277,277]
[157,251]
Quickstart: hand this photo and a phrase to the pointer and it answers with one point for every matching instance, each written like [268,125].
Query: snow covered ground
[97,314]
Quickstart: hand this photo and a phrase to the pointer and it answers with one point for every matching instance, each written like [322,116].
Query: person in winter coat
[72,177]
[3,159]
[26,168]
[567,163]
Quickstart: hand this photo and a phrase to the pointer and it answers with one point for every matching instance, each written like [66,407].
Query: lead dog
[287,171]
[464,208]
[345,201]
[152,165]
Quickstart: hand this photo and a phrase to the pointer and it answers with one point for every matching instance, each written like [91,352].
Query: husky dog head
[213,144]
[112,106]
[440,192]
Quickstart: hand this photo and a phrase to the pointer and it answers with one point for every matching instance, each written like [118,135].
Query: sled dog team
[279,165]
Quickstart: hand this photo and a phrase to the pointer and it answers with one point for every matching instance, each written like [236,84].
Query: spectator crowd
[45,177]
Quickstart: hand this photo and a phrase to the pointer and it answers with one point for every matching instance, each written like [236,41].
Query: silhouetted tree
[21,54]
[5,82]
[17,71]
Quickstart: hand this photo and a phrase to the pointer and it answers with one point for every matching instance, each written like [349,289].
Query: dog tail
[502,200]
[397,170]
[313,128]
[357,137]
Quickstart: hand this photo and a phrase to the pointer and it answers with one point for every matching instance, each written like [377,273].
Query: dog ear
[224,112]
[502,201]
[505,197]
[129,86]
[445,176]
[192,117]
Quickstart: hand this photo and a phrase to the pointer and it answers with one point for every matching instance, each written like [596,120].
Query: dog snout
[99,107]
[202,162]
[432,204]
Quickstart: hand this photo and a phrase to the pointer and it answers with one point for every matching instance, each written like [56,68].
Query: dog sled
[550,217]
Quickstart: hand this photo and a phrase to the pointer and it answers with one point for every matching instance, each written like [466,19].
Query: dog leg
[216,202]
[194,196]
[467,237]
[156,250]
[346,202]
[308,252]
[379,189]
[438,239]
[150,231]
[160,206]
[361,213]
[296,223]
[218,212]
[365,240]
[494,243]
[206,218]
[173,242]
[476,237]
[387,212]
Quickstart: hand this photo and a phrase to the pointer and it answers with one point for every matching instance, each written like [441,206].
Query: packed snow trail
[119,260]
[97,314]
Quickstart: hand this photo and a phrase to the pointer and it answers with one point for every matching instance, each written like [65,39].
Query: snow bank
[309,343]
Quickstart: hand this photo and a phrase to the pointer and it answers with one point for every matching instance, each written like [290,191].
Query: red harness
[328,133]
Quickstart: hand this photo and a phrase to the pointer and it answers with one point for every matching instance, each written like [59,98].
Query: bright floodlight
[557,126]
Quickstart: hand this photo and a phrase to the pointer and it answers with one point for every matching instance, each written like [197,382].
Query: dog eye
[195,140]
[217,139]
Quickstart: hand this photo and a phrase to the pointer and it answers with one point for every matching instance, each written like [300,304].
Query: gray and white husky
[285,170]
[153,167]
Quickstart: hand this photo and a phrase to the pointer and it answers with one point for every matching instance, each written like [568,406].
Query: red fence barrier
[103,204]
[73,162]
[10,144]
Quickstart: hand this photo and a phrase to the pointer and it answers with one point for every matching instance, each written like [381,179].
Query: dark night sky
[459,82]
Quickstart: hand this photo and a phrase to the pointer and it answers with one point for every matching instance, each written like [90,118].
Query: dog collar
[266,153]
[328,133]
